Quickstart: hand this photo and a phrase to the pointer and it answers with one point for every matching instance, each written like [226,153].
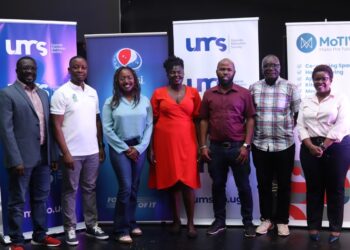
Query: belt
[132,142]
[317,140]
[227,144]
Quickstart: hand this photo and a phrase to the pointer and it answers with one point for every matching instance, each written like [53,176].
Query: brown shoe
[175,227]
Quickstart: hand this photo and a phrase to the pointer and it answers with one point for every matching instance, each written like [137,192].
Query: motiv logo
[26,46]
[206,44]
[306,42]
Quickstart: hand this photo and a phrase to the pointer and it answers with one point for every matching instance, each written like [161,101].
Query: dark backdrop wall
[92,16]
[157,15]
[113,16]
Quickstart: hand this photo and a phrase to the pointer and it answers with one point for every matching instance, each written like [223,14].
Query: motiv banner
[202,44]
[51,44]
[145,53]
[308,45]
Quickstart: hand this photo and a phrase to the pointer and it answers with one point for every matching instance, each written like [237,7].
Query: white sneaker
[71,237]
[283,229]
[96,232]
[265,226]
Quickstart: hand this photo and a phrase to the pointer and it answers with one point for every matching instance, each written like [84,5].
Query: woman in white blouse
[324,128]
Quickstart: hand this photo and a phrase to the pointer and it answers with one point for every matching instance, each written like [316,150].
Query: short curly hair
[325,68]
[171,62]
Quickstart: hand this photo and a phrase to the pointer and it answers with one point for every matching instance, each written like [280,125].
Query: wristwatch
[322,146]
[246,145]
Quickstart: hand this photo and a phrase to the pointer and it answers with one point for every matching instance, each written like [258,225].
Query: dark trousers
[36,181]
[224,158]
[326,175]
[270,165]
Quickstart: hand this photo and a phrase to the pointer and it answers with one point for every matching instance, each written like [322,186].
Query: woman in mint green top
[127,123]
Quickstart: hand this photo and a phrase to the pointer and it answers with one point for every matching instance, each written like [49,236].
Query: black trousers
[270,165]
[326,175]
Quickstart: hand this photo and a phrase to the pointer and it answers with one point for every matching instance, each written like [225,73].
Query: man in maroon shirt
[227,115]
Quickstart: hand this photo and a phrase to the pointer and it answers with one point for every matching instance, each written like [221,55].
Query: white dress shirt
[328,118]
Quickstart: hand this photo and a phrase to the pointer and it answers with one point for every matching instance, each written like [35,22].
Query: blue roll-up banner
[144,52]
[51,44]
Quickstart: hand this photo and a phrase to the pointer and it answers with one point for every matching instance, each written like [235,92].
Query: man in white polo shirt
[78,132]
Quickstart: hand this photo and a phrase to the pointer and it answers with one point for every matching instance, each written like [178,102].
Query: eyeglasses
[326,78]
[271,65]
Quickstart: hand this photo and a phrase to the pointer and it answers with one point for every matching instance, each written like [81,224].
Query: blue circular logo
[127,57]
[306,42]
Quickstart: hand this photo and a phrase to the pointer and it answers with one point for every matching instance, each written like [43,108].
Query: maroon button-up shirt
[227,112]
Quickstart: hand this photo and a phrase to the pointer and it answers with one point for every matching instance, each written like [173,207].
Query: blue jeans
[223,158]
[36,180]
[128,175]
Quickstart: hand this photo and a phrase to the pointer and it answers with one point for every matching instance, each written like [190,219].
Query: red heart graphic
[124,56]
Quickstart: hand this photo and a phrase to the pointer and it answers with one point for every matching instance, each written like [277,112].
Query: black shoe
[249,231]
[333,238]
[216,228]
[315,236]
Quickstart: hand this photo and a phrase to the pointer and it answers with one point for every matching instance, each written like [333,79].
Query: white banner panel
[308,45]
[201,44]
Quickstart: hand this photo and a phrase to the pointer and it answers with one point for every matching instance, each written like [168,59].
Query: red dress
[174,139]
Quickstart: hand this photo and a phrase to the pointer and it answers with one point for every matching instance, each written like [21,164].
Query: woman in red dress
[173,154]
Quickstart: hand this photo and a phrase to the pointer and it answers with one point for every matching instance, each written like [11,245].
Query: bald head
[225,72]
[226,61]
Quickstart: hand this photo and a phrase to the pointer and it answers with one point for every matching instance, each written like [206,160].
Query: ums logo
[306,42]
[27,46]
[206,44]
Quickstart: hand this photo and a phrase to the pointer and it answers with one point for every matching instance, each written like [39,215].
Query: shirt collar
[276,83]
[233,88]
[125,100]
[76,87]
[25,87]
[331,95]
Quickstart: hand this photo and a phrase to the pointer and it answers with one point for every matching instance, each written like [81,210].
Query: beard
[224,82]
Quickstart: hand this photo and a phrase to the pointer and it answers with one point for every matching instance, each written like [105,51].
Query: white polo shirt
[79,108]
